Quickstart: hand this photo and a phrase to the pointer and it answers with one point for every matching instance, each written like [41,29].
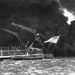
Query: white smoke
[69,14]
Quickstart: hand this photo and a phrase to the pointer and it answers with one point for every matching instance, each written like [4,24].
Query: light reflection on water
[38,67]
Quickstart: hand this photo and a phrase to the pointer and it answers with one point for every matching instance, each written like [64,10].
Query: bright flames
[70,15]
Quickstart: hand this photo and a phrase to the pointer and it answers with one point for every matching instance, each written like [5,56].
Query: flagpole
[53,40]
[55,45]
[49,46]
[53,48]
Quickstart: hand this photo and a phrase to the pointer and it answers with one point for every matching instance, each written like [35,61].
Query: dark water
[55,66]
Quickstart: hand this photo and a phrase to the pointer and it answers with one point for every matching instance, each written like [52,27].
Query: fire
[70,15]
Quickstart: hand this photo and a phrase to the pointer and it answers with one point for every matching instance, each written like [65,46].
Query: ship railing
[17,50]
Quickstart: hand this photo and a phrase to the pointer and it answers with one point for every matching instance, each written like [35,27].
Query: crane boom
[25,28]
[37,37]
[14,33]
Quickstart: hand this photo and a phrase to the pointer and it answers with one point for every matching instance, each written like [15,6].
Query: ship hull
[24,57]
[5,57]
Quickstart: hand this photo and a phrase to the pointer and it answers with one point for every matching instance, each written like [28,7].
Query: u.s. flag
[53,39]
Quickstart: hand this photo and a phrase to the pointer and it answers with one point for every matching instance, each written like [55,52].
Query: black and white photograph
[37,37]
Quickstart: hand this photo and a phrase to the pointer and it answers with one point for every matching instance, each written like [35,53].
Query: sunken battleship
[25,53]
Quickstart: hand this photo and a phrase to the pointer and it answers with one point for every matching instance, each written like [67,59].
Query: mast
[14,33]
[37,37]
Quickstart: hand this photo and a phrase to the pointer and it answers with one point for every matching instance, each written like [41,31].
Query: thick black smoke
[69,4]
[42,2]
[26,3]
[27,12]
[42,15]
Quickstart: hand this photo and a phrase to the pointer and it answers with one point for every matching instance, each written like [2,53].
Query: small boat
[31,54]
[5,57]
[27,57]
[2,56]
